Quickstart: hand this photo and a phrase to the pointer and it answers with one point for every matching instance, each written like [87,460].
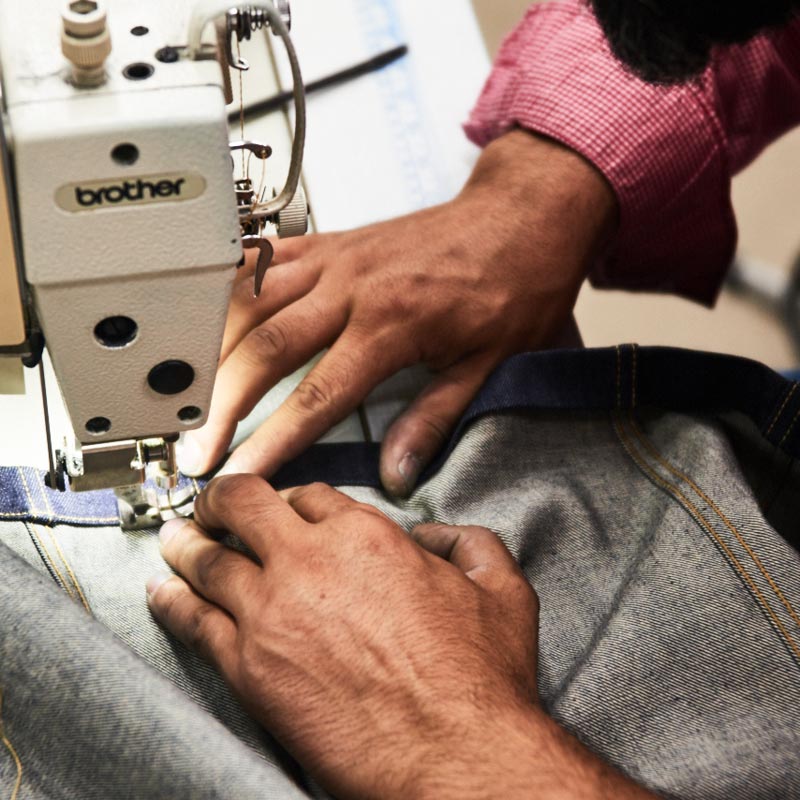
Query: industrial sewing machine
[124,216]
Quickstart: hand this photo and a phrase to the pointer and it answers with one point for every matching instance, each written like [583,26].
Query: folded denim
[669,632]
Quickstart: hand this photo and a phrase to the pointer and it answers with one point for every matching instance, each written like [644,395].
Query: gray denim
[669,630]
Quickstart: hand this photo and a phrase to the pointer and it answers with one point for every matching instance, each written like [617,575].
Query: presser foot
[141,507]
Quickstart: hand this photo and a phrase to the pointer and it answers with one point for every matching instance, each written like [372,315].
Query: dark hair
[669,41]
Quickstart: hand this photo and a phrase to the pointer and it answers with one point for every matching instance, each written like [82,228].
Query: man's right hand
[459,287]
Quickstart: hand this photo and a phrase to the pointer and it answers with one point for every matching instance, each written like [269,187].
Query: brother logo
[91,195]
[128,191]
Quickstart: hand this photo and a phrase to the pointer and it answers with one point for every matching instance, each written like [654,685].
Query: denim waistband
[622,378]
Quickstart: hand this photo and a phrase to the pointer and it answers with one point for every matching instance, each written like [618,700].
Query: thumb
[421,431]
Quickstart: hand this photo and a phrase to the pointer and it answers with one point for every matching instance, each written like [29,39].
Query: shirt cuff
[662,149]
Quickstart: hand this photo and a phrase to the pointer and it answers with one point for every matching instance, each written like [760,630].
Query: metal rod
[282,99]
[52,482]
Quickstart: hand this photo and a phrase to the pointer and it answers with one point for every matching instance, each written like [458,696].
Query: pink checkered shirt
[669,152]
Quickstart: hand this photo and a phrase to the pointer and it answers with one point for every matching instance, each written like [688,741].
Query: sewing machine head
[122,222]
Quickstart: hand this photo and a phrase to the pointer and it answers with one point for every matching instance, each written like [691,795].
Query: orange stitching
[64,581]
[695,512]
[75,582]
[728,524]
[619,378]
[35,512]
[789,430]
[11,749]
[780,410]
[22,516]
[46,499]
[28,492]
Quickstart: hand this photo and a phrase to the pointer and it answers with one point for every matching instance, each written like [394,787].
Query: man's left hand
[390,666]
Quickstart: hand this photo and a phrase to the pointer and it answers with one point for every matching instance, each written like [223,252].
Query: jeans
[651,497]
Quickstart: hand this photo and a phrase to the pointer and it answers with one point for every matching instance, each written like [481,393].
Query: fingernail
[156,582]
[170,528]
[409,468]
[190,457]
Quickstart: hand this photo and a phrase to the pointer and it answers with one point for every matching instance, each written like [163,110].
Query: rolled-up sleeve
[669,152]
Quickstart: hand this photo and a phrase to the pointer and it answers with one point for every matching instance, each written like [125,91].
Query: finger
[200,625]
[283,285]
[218,573]
[474,550]
[421,431]
[249,508]
[332,390]
[265,356]
[296,247]
[318,501]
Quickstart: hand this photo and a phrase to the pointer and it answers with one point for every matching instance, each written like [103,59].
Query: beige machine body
[121,193]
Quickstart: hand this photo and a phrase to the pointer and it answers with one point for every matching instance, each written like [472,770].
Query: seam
[777,416]
[67,566]
[728,524]
[789,429]
[49,556]
[12,750]
[40,487]
[698,517]
[28,493]
[26,515]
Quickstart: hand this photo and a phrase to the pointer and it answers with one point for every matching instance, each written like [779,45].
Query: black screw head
[171,377]
[168,55]
[115,332]
[125,154]
[97,426]
[139,71]
[189,414]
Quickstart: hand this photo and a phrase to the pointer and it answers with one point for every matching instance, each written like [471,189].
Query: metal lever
[265,254]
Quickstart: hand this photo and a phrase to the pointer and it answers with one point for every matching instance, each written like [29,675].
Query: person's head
[668,41]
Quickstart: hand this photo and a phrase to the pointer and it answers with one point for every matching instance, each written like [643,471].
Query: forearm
[537,178]
[527,188]
[524,755]
[669,152]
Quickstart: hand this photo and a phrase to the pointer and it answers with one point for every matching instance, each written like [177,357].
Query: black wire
[282,99]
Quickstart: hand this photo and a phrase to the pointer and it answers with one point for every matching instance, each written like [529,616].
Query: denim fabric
[614,378]
[25,496]
[659,543]
[88,719]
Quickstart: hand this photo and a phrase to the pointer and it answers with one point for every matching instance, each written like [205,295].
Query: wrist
[481,755]
[535,183]
[518,755]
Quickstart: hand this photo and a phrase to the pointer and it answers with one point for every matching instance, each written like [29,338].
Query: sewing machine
[124,213]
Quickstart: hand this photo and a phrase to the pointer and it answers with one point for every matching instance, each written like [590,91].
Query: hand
[390,666]
[459,287]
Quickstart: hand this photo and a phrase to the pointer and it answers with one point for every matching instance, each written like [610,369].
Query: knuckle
[167,599]
[226,491]
[310,491]
[268,342]
[314,489]
[210,568]
[435,427]
[517,588]
[199,625]
[313,396]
